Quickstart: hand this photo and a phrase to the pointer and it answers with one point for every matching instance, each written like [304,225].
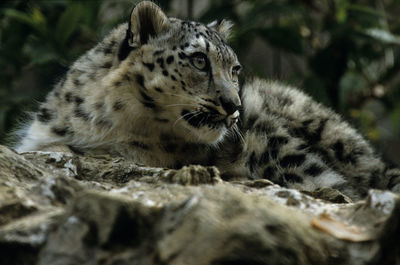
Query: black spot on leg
[60,131]
[314,170]
[99,105]
[284,100]
[307,122]
[291,177]
[140,80]
[156,53]
[273,153]
[302,147]
[78,100]
[311,136]
[322,152]
[68,97]
[146,97]
[161,120]
[44,115]
[107,51]
[251,163]
[265,128]
[352,158]
[269,172]
[170,147]
[148,101]
[104,123]
[317,135]
[80,113]
[277,141]
[118,105]
[170,59]
[150,66]
[264,158]
[173,78]
[117,83]
[207,46]
[77,83]
[182,55]
[160,61]
[165,72]
[292,160]
[158,89]
[338,148]
[140,145]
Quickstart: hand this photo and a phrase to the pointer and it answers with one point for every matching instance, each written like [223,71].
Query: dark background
[343,53]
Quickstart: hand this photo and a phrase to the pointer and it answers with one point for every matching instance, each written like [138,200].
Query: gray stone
[59,209]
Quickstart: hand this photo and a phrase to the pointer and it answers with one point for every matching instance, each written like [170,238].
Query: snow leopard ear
[223,27]
[146,20]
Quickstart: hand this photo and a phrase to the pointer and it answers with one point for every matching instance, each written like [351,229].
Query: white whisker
[195,113]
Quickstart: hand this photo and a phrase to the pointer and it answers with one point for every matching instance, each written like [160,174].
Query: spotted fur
[164,92]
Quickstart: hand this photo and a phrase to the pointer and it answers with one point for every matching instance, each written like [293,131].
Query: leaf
[383,36]
[340,230]
[40,55]
[37,21]
[19,16]
[68,22]
[369,11]
[38,17]
[341,13]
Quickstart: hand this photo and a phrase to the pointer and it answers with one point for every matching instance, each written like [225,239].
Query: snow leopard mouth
[200,119]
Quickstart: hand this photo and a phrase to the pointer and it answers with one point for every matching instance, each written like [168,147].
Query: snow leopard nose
[230,105]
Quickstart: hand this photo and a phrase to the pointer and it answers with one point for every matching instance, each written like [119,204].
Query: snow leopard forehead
[193,36]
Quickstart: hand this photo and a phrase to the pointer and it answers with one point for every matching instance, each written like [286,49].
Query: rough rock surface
[60,209]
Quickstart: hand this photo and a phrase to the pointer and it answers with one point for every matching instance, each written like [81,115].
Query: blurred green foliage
[348,49]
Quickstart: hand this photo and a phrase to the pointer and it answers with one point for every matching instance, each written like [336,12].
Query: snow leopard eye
[235,73]
[200,61]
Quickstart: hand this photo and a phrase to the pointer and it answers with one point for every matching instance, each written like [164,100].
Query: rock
[59,209]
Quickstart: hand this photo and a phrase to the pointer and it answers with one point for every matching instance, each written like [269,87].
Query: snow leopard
[164,92]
